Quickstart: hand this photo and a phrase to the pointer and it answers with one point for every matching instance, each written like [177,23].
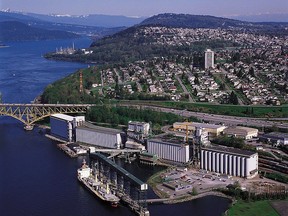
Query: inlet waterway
[36,179]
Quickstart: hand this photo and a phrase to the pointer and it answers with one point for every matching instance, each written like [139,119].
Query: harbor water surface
[36,179]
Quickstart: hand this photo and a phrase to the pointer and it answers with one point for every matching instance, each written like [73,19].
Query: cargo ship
[91,182]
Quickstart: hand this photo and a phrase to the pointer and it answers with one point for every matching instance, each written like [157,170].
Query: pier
[67,150]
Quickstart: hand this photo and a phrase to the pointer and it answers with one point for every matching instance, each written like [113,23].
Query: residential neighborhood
[255,69]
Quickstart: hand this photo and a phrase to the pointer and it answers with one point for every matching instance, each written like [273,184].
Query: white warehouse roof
[63,117]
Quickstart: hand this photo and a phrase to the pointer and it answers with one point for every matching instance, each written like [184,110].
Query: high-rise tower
[209,59]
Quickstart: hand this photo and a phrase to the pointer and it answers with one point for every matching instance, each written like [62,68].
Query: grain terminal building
[242,132]
[168,150]
[63,126]
[212,129]
[276,137]
[229,161]
[99,136]
[138,130]
[139,127]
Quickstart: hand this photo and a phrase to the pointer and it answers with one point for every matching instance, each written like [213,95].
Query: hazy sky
[148,7]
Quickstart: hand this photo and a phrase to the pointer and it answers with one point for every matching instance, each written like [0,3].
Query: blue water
[36,178]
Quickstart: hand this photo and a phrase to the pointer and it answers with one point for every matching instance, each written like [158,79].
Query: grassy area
[242,208]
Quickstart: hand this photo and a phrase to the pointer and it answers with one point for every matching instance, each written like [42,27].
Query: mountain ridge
[191,21]
[99,20]
[18,31]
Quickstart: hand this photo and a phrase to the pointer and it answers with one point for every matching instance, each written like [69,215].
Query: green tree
[233,99]
[222,86]
[194,191]
[252,72]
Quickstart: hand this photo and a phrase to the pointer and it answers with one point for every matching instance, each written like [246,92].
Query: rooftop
[200,125]
[94,128]
[247,129]
[229,150]
[277,134]
[63,117]
[168,141]
[136,122]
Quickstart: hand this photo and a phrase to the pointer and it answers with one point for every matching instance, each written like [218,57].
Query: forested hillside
[17,31]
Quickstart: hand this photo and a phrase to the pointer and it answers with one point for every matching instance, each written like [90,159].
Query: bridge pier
[29,127]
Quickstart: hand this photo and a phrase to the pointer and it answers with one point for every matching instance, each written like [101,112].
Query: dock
[67,150]
[125,186]
[55,138]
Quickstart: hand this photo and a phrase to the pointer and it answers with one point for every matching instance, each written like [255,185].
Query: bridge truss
[30,113]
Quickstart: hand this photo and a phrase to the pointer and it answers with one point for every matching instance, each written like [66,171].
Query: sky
[148,7]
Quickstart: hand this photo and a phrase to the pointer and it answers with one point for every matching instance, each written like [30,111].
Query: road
[184,89]
[230,120]
[220,119]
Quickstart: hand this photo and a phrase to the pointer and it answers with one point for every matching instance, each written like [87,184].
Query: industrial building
[212,129]
[138,130]
[63,126]
[140,127]
[134,145]
[242,132]
[99,136]
[169,150]
[276,138]
[229,161]
[209,59]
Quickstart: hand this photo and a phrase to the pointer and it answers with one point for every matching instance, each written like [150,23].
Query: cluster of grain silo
[229,161]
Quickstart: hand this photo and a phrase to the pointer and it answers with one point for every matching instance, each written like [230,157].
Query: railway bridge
[28,114]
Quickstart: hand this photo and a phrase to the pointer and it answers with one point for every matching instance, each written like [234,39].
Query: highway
[222,119]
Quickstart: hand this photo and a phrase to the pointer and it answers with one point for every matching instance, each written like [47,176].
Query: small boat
[3,45]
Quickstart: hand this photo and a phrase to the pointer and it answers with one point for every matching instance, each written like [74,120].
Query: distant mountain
[18,31]
[203,21]
[191,21]
[108,21]
[95,32]
[10,16]
[262,18]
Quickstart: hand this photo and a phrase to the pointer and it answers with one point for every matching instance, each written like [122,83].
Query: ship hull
[97,194]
